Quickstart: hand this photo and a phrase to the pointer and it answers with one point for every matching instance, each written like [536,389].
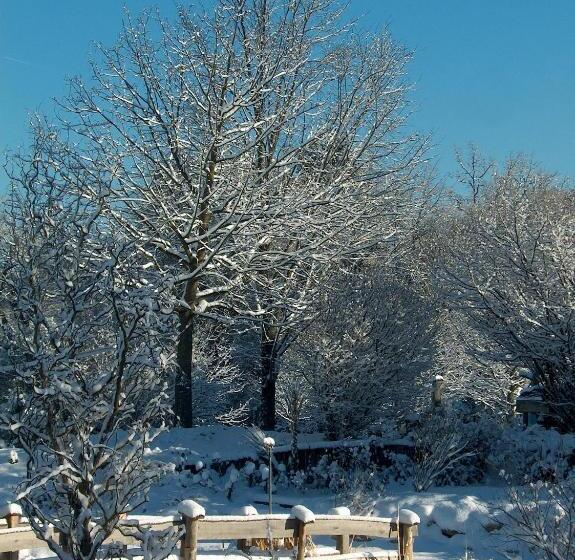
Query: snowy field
[470,511]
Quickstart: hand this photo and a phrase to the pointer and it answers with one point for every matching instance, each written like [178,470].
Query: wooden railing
[246,528]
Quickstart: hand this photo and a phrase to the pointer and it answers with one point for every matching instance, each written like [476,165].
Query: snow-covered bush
[297,480]
[282,476]
[440,446]
[326,474]
[360,490]
[481,430]
[530,454]
[399,467]
[543,519]
[233,476]
[349,474]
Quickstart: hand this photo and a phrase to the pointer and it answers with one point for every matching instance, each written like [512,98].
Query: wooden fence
[248,528]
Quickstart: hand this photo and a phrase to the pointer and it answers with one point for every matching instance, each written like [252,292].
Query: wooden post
[13,518]
[405,542]
[303,517]
[342,543]
[242,545]
[189,546]
[408,522]
[191,513]
[301,538]
[245,544]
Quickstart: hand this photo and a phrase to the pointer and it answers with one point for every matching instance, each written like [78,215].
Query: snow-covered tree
[293,407]
[474,171]
[86,339]
[222,390]
[511,273]
[490,385]
[364,354]
[245,149]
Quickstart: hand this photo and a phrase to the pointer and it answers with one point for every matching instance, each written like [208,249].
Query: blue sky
[500,73]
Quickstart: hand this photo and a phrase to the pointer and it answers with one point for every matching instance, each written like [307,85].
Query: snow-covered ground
[470,511]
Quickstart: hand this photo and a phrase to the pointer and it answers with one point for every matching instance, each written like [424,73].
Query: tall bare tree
[247,148]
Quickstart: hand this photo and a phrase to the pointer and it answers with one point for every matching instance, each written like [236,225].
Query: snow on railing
[267,531]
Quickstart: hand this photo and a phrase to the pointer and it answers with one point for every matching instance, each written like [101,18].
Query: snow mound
[191,509]
[408,517]
[302,514]
[460,516]
[248,510]
[341,510]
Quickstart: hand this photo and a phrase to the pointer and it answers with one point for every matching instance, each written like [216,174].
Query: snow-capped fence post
[304,517]
[12,513]
[269,445]
[244,544]
[407,521]
[191,513]
[341,541]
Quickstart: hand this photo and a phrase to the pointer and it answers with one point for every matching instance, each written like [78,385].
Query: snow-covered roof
[531,393]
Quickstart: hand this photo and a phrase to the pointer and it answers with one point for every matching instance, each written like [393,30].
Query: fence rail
[301,524]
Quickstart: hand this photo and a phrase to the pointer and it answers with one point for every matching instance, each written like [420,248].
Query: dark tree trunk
[268,381]
[183,403]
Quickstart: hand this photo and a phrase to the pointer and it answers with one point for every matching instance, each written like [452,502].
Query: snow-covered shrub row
[536,453]
[251,474]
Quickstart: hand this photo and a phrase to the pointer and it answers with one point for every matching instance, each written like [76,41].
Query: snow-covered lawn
[469,511]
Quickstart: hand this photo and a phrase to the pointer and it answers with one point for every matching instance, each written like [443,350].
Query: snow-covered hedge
[532,454]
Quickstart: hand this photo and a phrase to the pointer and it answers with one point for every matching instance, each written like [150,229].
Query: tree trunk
[293,460]
[183,397]
[268,380]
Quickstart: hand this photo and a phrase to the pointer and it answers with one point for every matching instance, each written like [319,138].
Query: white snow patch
[460,516]
[248,510]
[10,509]
[408,517]
[191,509]
[302,514]
[341,510]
